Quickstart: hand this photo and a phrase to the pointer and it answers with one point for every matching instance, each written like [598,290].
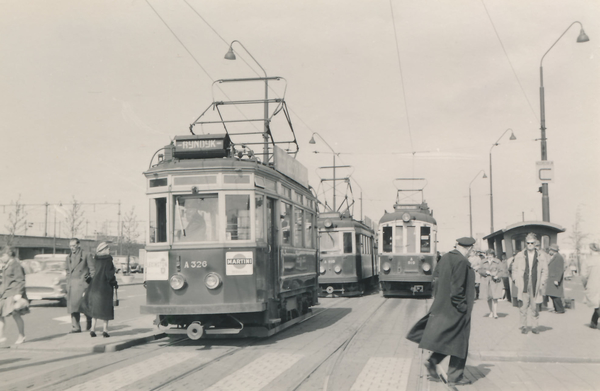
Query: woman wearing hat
[554,286]
[98,298]
[590,277]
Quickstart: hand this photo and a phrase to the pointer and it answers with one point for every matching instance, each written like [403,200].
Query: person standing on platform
[80,271]
[448,325]
[554,285]
[492,271]
[590,278]
[475,262]
[530,272]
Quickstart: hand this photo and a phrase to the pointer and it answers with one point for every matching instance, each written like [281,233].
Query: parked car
[120,262]
[46,277]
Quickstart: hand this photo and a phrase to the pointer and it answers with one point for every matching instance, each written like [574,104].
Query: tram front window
[237,208]
[196,218]
[387,239]
[330,242]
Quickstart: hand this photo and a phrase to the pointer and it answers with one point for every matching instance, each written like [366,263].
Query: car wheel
[62,302]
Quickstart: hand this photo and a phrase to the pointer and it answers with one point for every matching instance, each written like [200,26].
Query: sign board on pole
[544,171]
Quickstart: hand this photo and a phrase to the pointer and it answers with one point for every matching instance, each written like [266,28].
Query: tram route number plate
[417,288]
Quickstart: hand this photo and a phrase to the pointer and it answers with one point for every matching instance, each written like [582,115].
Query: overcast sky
[89,90]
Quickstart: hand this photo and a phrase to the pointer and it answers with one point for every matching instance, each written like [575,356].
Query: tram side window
[387,239]
[298,226]
[399,240]
[286,227]
[158,220]
[425,239]
[347,242]
[411,240]
[308,230]
[237,210]
[195,218]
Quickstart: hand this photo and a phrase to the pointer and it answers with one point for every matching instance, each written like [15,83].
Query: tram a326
[232,245]
[407,243]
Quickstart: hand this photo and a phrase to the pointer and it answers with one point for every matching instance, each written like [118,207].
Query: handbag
[116,299]
[21,304]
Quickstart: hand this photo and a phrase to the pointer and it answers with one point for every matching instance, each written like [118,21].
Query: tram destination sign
[201,146]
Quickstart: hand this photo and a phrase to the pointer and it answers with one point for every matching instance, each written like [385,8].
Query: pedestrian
[554,285]
[475,262]
[530,271]
[492,271]
[448,325]
[506,278]
[98,298]
[13,298]
[590,278]
[80,270]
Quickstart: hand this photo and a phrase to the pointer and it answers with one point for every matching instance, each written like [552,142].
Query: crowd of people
[91,283]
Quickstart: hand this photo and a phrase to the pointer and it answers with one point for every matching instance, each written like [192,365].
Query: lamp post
[545,197]
[230,55]
[470,211]
[512,137]
[312,141]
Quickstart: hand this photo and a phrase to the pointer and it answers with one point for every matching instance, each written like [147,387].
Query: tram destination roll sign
[201,146]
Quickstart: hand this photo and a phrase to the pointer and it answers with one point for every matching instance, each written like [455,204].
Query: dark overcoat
[556,270]
[449,324]
[98,300]
[78,265]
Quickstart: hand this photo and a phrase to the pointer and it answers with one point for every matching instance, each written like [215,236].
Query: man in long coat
[554,286]
[530,272]
[449,324]
[80,266]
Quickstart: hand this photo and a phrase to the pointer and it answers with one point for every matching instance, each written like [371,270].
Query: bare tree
[577,237]
[129,233]
[16,222]
[74,218]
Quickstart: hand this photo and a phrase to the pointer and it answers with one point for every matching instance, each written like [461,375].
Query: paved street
[350,344]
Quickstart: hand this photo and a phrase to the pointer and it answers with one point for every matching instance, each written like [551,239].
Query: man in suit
[80,270]
[554,286]
[530,272]
[449,325]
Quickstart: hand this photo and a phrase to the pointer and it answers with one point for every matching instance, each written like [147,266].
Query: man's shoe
[441,373]
[431,370]
[535,330]
[73,331]
[461,382]
[523,330]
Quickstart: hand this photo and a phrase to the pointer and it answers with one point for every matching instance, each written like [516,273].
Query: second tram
[407,244]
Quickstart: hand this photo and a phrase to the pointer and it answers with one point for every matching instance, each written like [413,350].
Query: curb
[122,345]
[525,357]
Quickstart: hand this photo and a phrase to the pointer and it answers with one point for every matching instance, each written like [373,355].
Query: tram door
[271,256]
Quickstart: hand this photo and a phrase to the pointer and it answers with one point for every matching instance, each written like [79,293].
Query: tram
[408,243]
[232,244]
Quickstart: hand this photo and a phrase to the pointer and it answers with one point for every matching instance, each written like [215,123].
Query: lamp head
[484,176]
[312,140]
[512,136]
[582,37]
[230,55]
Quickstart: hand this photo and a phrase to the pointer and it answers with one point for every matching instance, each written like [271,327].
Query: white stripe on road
[383,374]
[258,373]
[63,319]
[124,377]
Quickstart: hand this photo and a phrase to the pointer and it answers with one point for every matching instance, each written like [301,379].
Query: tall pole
[545,196]
[512,137]
[470,211]
[312,141]
[231,56]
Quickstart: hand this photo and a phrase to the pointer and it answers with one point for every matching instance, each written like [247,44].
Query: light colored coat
[518,273]
[590,277]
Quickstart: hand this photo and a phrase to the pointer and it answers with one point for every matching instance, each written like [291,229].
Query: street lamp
[230,55]
[512,137]
[312,141]
[470,212]
[545,197]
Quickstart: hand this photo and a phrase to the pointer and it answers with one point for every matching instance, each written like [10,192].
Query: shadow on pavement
[478,372]
[38,363]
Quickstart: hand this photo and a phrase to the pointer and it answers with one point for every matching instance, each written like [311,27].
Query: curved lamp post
[512,137]
[545,197]
[312,141]
[470,213]
[230,55]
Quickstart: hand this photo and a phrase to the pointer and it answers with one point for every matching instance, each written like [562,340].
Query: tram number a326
[195,264]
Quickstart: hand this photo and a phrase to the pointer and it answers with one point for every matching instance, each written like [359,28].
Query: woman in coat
[12,294]
[492,270]
[590,277]
[98,298]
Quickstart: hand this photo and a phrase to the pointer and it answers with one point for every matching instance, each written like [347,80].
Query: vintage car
[46,277]
[120,262]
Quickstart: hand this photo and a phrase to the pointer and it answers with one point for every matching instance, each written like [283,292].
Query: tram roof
[341,220]
[524,224]
[415,213]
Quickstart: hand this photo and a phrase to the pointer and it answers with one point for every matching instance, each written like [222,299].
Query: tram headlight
[425,266]
[322,269]
[406,217]
[328,223]
[177,281]
[212,281]
[386,267]
[337,269]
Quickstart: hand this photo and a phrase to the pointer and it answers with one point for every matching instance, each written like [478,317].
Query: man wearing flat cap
[554,284]
[449,324]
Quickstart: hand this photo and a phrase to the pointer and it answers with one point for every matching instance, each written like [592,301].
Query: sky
[89,90]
